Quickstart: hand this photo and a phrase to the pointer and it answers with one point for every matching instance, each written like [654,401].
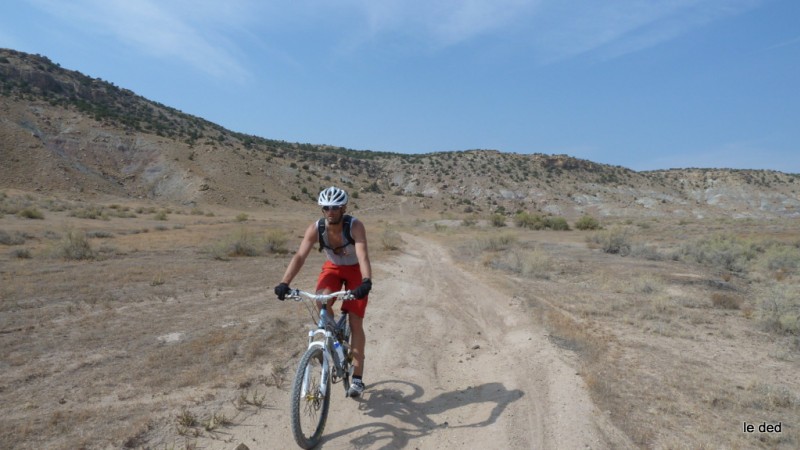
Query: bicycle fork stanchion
[326,358]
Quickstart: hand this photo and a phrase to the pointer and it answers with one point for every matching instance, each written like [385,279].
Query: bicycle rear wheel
[309,404]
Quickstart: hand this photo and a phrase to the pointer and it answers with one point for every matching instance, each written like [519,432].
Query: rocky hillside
[63,132]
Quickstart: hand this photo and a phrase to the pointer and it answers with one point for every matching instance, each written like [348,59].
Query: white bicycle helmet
[332,196]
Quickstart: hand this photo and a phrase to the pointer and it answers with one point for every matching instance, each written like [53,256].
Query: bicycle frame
[323,336]
[319,368]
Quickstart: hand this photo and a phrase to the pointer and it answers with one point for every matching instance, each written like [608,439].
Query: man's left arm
[362,252]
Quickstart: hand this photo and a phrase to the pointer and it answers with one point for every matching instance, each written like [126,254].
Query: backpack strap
[347,221]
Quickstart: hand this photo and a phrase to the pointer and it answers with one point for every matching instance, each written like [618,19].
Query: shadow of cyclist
[400,400]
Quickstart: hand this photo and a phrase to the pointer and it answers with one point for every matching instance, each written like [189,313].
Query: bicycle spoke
[309,404]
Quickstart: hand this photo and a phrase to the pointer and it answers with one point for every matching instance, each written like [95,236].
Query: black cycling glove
[363,290]
[281,290]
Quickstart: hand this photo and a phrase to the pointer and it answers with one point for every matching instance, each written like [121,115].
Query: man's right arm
[299,258]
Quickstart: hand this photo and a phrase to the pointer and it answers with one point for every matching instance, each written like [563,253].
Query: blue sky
[645,84]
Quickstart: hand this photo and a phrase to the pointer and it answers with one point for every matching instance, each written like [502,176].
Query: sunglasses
[331,208]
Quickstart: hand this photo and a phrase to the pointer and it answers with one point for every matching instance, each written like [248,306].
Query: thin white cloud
[439,23]
[193,32]
[553,29]
[567,28]
[787,43]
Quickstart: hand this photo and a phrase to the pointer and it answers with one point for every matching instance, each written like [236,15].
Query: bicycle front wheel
[310,399]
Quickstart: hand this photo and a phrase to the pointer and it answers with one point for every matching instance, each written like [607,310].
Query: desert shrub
[242,217]
[647,284]
[644,251]
[99,234]
[22,253]
[92,212]
[496,243]
[780,258]
[615,240]
[161,215]
[245,243]
[537,222]
[779,308]
[275,241]
[498,220]
[721,251]
[526,262]
[468,223]
[11,239]
[527,220]
[74,246]
[31,213]
[556,223]
[391,240]
[726,301]
[587,223]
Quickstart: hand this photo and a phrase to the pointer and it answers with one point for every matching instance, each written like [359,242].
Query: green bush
[587,223]
[498,220]
[723,252]
[556,223]
[527,220]
[780,258]
[537,222]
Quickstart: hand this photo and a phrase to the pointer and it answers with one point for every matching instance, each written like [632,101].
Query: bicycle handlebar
[298,295]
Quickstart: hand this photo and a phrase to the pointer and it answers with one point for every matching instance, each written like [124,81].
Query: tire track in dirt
[450,363]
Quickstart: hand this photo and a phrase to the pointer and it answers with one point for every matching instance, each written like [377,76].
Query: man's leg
[357,342]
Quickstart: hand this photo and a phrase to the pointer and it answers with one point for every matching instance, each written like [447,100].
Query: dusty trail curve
[450,364]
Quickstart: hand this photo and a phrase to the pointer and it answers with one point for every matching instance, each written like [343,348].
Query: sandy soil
[451,363]
[161,342]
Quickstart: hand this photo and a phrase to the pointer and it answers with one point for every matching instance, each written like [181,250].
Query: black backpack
[348,238]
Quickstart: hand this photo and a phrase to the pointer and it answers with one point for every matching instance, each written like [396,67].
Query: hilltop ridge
[64,132]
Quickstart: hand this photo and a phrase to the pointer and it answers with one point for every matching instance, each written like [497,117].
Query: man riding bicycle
[344,240]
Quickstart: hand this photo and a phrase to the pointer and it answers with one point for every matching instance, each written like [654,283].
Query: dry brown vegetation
[679,350]
[136,331]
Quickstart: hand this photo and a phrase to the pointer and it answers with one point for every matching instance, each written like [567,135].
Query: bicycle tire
[309,413]
[346,339]
[346,333]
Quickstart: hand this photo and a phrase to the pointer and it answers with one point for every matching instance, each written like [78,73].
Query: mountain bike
[326,361]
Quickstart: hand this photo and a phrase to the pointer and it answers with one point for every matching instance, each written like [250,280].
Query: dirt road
[450,364]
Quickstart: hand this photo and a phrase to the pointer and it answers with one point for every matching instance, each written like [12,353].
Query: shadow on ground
[394,401]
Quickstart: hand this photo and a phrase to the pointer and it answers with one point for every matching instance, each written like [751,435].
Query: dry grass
[109,352]
[674,349]
[105,352]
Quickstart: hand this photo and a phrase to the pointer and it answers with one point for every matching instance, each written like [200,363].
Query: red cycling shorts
[334,278]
